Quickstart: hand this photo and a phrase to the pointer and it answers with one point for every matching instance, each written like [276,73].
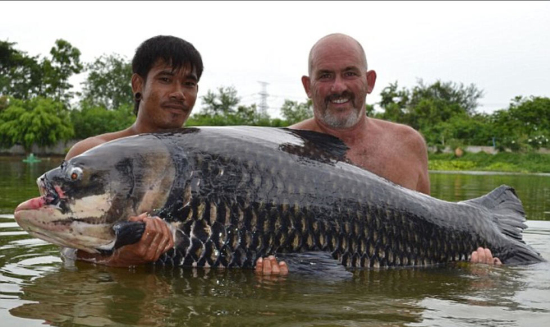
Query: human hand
[482,255]
[270,266]
[156,239]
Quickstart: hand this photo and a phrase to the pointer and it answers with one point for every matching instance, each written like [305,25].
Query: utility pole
[264,95]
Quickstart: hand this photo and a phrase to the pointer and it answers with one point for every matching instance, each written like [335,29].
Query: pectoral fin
[128,232]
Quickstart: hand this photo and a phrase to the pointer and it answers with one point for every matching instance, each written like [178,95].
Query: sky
[501,47]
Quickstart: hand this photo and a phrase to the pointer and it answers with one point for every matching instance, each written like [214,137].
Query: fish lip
[52,194]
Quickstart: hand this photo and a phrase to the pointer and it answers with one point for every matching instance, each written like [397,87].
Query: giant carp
[234,194]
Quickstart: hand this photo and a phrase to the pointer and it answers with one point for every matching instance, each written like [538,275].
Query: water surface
[37,287]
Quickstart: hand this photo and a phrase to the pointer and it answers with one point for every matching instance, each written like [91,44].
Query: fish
[231,195]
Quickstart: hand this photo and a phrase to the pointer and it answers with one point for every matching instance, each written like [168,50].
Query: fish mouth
[52,194]
[48,223]
[59,219]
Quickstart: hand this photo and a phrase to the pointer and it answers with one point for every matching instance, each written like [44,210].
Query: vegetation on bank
[38,106]
[500,162]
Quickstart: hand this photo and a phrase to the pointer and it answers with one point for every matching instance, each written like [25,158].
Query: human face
[339,82]
[168,96]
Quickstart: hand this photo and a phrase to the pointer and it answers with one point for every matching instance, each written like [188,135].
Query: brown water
[37,287]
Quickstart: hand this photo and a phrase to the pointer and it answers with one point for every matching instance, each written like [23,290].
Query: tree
[65,62]
[225,101]
[244,115]
[94,120]
[26,77]
[435,110]
[223,108]
[108,83]
[394,102]
[294,111]
[39,121]
[464,97]
[524,124]
[20,75]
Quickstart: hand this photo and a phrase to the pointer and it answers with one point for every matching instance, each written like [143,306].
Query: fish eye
[75,174]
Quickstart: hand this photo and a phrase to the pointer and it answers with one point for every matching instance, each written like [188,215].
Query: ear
[306,82]
[137,83]
[371,80]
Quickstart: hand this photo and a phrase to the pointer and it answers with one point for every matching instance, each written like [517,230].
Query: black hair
[173,50]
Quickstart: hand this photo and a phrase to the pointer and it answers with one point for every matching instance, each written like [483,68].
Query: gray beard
[339,122]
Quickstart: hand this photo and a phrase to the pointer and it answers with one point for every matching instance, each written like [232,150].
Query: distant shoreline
[480,163]
[478,172]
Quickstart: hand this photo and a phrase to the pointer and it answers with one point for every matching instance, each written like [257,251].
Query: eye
[75,174]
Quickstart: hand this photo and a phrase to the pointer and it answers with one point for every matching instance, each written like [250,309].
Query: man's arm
[421,149]
[83,146]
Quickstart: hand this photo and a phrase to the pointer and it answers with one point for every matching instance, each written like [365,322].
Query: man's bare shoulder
[308,124]
[401,131]
[412,153]
[94,141]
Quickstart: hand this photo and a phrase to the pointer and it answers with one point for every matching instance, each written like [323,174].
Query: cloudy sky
[501,47]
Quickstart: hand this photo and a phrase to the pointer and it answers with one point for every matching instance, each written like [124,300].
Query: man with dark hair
[169,49]
[166,72]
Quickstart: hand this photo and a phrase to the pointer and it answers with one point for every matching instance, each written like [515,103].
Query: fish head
[82,200]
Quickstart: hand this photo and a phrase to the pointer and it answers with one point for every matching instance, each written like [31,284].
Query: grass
[481,161]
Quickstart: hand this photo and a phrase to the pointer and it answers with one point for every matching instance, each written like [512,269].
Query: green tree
[294,111]
[394,102]
[25,77]
[464,130]
[64,62]
[464,97]
[39,121]
[244,115]
[222,108]
[108,83]
[225,101]
[20,75]
[436,110]
[525,124]
[94,120]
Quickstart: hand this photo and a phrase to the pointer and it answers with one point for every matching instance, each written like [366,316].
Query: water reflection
[36,287]
[99,296]
[18,180]
[533,190]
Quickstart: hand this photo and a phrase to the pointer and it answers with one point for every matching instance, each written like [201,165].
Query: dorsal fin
[314,142]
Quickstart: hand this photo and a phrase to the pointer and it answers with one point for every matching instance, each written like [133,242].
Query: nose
[177,92]
[339,85]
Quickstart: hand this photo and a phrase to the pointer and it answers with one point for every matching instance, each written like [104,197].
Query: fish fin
[128,232]
[508,212]
[509,217]
[331,145]
[315,263]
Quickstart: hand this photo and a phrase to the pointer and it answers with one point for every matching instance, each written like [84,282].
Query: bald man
[338,83]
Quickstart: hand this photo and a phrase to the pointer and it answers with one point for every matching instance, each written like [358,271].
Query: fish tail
[508,215]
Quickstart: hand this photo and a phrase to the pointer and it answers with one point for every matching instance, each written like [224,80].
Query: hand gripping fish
[234,194]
